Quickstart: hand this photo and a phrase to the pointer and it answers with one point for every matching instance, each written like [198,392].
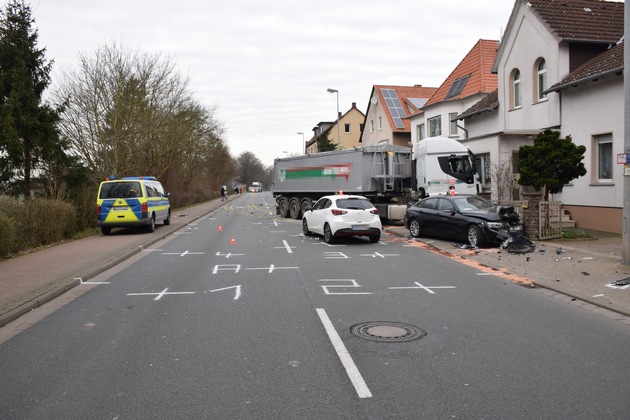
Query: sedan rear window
[354,204]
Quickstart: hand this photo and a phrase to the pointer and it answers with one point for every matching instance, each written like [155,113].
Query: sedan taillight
[374,211]
[337,212]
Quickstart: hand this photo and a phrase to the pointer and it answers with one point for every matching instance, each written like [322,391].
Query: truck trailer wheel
[294,208]
[283,206]
[306,205]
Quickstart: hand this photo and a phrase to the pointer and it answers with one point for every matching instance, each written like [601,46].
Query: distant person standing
[223,193]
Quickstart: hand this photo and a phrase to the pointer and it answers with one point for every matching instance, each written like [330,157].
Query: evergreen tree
[28,133]
[552,162]
[324,144]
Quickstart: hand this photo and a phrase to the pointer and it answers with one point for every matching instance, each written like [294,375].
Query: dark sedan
[469,219]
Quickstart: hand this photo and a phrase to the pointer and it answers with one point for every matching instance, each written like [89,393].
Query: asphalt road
[240,316]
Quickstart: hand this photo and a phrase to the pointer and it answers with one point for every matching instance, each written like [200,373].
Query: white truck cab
[442,163]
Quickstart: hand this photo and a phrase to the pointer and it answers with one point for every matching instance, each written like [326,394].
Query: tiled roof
[581,20]
[404,93]
[477,65]
[607,62]
[489,103]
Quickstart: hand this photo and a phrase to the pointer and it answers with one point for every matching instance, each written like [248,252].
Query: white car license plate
[121,208]
[359,227]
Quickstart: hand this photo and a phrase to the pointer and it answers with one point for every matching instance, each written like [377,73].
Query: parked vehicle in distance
[255,187]
[132,201]
[334,216]
[467,218]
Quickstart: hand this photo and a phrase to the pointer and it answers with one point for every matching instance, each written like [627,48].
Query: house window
[380,123]
[371,126]
[421,132]
[346,128]
[435,126]
[541,79]
[604,159]
[515,89]
[452,129]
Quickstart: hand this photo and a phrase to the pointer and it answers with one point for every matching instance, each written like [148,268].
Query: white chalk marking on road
[428,289]
[226,267]
[377,254]
[353,284]
[335,255]
[287,247]
[236,295]
[346,360]
[159,295]
[272,267]
[485,274]
[275,223]
[600,295]
[182,254]
[228,255]
[90,282]
[277,231]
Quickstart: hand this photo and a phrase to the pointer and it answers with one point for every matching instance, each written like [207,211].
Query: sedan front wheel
[305,230]
[474,236]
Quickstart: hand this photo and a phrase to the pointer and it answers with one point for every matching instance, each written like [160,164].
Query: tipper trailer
[383,173]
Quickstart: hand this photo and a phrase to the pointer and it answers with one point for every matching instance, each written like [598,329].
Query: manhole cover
[387,332]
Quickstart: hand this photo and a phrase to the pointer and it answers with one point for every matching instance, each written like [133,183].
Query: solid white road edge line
[351,369]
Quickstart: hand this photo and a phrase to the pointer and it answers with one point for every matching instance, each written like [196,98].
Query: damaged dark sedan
[469,219]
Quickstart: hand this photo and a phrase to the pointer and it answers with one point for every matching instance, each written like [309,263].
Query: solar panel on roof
[418,102]
[457,87]
[394,106]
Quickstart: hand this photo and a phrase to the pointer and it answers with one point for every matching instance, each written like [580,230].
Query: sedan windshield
[472,203]
[354,204]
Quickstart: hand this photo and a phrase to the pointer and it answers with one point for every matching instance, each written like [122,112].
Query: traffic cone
[233,241]
[220,229]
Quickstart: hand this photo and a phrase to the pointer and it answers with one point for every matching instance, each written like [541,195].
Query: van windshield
[120,190]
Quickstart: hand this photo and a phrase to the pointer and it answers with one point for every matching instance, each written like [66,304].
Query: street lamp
[299,132]
[338,122]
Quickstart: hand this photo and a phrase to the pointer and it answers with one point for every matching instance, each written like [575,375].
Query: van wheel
[106,230]
[167,221]
[151,225]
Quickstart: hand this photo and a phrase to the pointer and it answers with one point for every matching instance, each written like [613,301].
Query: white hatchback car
[333,216]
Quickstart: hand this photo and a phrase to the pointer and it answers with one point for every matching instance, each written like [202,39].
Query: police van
[132,201]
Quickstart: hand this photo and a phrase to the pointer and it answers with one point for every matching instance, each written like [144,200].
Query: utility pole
[625,239]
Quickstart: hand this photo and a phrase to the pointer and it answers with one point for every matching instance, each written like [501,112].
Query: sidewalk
[31,280]
[582,269]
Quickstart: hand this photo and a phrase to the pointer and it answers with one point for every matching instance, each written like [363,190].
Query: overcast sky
[266,65]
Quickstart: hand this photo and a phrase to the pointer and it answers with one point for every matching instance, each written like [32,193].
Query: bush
[7,236]
[38,222]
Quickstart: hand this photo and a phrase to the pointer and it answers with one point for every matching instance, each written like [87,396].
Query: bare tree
[127,113]
[503,180]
